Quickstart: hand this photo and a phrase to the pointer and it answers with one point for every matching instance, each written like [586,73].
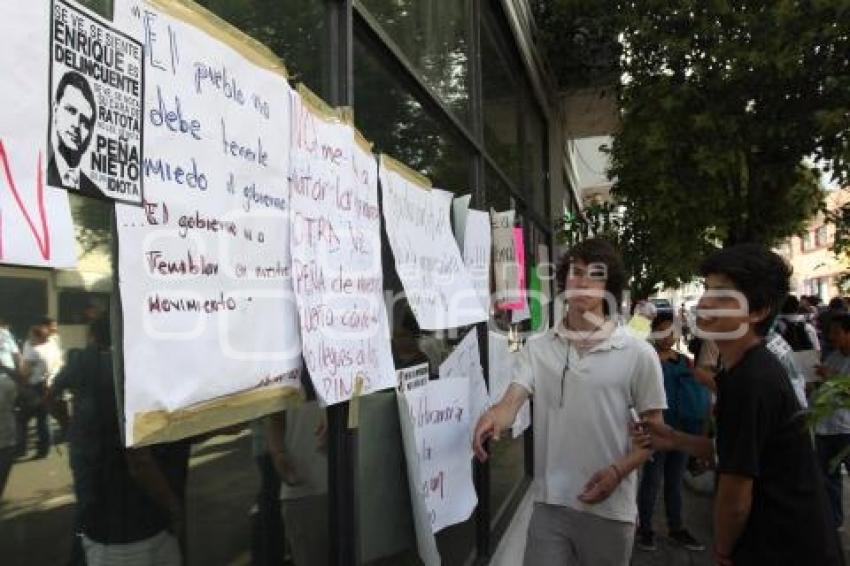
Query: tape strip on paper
[193,14]
[403,170]
[161,426]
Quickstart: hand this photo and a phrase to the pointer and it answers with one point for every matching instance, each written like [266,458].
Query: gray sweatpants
[560,536]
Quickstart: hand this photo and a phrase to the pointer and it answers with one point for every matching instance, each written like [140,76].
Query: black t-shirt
[762,434]
[111,506]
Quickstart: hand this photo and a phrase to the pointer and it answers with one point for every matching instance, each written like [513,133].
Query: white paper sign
[35,220]
[436,428]
[96,123]
[505,266]
[412,377]
[336,257]
[465,363]
[439,289]
[204,266]
[477,244]
[460,211]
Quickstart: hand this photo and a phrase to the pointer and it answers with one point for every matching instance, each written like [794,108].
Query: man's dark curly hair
[762,276]
[596,250]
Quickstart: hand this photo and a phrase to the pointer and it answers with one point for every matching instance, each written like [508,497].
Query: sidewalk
[698,516]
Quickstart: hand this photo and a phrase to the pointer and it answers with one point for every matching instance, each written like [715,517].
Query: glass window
[536,158]
[500,93]
[498,193]
[390,116]
[808,241]
[822,236]
[296,30]
[434,37]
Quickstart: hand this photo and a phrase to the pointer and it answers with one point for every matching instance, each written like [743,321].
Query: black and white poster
[96,102]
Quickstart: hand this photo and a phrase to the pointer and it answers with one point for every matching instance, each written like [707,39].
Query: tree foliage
[645,251]
[722,105]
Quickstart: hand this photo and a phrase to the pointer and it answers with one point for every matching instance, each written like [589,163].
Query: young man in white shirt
[584,376]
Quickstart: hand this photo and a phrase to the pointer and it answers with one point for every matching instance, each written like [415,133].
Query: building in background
[817,270]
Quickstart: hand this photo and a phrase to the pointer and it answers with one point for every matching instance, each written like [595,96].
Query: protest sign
[210,329]
[412,377]
[506,272]
[438,287]
[336,254]
[477,245]
[465,363]
[460,212]
[436,429]
[97,85]
[35,220]
[519,307]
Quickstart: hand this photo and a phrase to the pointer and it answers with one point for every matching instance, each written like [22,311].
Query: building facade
[458,92]
[817,269]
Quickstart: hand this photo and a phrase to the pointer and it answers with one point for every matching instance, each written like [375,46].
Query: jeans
[40,413]
[671,467]
[829,446]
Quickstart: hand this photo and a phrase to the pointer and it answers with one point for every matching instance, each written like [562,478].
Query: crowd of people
[619,411]
[622,412]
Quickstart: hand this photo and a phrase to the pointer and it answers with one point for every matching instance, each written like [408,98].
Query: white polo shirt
[586,430]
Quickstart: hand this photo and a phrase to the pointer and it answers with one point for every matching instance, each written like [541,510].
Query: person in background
[643,314]
[297,440]
[129,510]
[10,354]
[683,322]
[795,327]
[777,346]
[267,546]
[53,348]
[832,435]
[770,506]
[586,376]
[688,405]
[8,434]
[836,306]
[34,371]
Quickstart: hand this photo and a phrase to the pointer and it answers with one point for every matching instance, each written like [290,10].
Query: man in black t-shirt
[129,504]
[770,506]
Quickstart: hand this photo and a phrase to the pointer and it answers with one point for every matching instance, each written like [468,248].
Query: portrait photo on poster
[96,80]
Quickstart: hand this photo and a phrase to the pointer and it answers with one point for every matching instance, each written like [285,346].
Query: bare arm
[665,438]
[499,417]
[731,512]
[603,483]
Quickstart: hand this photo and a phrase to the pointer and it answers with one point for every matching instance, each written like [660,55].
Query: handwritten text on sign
[477,243]
[506,269]
[35,220]
[336,256]
[439,289]
[436,441]
[204,265]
